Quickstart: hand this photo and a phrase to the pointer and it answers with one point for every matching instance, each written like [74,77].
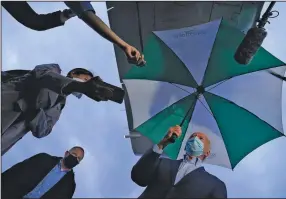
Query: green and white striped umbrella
[191,71]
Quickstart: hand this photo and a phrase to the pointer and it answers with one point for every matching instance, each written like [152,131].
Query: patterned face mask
[194,147]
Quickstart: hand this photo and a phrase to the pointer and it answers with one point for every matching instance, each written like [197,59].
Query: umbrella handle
[173,138]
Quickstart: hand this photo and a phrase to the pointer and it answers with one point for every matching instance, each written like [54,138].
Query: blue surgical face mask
[78,95]
[194,147]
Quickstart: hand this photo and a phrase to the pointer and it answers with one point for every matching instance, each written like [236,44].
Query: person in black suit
[166,178]
[42,176]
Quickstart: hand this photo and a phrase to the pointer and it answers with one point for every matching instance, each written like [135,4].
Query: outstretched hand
[66,15]
[134,56]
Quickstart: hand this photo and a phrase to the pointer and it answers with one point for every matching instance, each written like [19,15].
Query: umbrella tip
[200,89]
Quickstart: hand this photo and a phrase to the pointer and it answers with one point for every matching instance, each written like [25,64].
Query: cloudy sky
[100,127]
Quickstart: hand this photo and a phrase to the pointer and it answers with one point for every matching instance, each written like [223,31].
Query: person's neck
[63,167]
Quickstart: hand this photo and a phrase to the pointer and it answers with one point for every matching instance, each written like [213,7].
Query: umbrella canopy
[147,16]
[191,74]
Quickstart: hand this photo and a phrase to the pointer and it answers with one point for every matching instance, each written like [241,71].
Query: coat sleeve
[79,7]
[24,14]
[143,171]
[45,120]
[48,76]
[71,192]
[219,190]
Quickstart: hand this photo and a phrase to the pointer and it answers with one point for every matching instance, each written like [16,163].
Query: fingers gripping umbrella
[192,79]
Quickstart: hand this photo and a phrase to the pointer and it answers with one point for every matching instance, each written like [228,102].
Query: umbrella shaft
[174,136]
[188,113]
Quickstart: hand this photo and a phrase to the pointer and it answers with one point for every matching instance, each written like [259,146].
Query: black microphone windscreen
[249,45]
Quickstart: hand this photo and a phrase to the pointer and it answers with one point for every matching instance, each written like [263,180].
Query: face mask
[78,95]
[70,161]
[194,147]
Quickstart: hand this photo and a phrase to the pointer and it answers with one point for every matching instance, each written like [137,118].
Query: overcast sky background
[100,127]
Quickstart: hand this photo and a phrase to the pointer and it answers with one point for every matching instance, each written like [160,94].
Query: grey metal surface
[134,21]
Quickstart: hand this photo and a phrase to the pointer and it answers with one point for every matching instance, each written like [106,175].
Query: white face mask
[78,95]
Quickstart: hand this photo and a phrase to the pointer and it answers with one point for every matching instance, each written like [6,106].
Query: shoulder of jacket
[51,157]
[43,155]
[213,177]
[49,67]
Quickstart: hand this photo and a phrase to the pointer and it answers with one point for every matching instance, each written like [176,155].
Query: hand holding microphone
[172,134]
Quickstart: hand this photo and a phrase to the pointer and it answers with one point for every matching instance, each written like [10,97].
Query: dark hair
[78,147]
[79,71]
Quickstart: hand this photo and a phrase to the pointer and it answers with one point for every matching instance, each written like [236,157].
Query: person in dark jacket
[42,176]
[166,178]
[25,15]
[34,100]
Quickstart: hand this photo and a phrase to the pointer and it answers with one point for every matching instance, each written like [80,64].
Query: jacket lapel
[192,175]
[174,166]
[52,98]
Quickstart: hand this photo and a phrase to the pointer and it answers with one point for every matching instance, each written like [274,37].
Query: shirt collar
[60,166]
[195,161]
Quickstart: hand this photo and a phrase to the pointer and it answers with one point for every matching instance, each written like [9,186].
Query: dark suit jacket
[159,174]
[23,177]
[32,102]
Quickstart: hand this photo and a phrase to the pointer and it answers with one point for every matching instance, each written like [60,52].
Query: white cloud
[11,58]
[89,181]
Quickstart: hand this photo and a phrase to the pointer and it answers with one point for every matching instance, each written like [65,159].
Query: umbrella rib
[197,98]
[241,107]
[218,84]
[184,117]
[163,110]
[272,73]
[196,84]
[231,102]
[188,112]
[205,107]
[216,120]
[204,76]
[139,27]
[182,88]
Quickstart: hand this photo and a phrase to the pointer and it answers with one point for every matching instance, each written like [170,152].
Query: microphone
[249,45]
[254,38]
